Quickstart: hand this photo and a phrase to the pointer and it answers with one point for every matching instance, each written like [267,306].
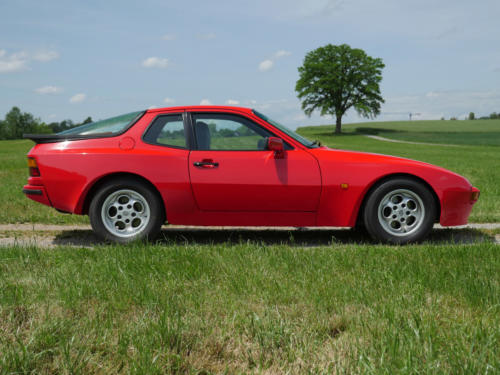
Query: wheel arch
[86,198]
[381,180]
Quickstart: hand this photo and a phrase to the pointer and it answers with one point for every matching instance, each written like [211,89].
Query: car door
[232,170]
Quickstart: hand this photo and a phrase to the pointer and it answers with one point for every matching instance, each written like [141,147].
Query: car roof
[201,108]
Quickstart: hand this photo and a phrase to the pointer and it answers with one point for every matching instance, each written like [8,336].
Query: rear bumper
[37,193]
[456,206]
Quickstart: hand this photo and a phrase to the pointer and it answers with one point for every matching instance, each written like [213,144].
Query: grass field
[472,133]
[250,308]
[265,302]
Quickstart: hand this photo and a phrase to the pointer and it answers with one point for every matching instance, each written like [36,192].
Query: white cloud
[155,62]
[269,63]
[281,53]
[169,37]
[168,101]
[45,56]
[18,61]
[232,102]
[78,98]
[266,65]
[14,62]
[48,90]
[206,36]
[205,102]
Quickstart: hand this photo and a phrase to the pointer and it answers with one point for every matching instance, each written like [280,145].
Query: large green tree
[334,79]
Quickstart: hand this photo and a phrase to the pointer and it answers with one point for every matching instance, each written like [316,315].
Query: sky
[68,59]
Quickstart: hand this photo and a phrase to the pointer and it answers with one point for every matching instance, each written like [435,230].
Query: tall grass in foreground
[251,308]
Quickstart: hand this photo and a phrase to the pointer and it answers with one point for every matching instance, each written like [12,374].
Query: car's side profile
[231,166]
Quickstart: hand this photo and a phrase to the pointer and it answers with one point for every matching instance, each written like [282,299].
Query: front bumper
[456,206]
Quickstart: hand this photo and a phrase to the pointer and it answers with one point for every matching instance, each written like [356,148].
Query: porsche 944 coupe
[232,166]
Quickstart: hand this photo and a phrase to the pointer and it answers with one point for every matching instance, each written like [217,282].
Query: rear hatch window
[110,126]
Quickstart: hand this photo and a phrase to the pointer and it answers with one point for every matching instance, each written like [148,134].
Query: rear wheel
[399,211]
[125,210]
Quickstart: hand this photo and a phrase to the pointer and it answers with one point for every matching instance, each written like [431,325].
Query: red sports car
[230,166]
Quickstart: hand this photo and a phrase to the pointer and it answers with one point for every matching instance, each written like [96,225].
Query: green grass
[251,308]
[474,151]
[474,133]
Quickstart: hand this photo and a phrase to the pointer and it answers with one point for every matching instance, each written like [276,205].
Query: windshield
[306,142]
[110,126]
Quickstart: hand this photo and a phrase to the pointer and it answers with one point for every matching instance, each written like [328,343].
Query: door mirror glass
[276,144]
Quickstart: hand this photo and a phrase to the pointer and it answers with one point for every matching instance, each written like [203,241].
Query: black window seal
[186,126]
[191,113]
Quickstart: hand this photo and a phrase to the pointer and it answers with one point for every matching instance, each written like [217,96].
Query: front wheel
[126,210]
[399,211]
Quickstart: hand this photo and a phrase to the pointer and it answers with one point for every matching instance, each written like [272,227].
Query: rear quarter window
[167,130]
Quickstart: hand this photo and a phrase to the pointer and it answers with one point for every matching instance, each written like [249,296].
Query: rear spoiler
[53,138]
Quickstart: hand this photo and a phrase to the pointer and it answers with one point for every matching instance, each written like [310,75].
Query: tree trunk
[338,124]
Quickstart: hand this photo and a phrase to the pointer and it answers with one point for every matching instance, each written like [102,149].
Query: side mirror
[276,144]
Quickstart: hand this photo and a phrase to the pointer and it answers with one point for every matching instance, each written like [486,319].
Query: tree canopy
[17,123]
[334,79]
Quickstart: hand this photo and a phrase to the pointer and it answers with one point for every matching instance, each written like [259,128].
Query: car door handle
[206,164]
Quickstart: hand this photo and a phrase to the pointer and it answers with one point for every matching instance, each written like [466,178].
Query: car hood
[391,164]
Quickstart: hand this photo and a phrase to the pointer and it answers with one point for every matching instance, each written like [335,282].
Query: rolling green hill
[474,133]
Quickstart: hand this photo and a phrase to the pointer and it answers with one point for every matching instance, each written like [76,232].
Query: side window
[228,132]
[167,130]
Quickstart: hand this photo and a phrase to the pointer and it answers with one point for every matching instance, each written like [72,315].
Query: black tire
[391,220]
[146,208]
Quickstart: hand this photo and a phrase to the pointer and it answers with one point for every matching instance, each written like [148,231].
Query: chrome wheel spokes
[401,212]
[125,213]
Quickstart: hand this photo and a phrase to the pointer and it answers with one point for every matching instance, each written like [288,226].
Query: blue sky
[73,59]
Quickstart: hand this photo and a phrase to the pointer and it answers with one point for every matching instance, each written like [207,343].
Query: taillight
[33,167]
[474,195]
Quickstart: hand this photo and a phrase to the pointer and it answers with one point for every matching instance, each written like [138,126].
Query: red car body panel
[262,182]
[307,187]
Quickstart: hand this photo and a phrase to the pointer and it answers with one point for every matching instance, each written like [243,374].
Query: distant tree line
[16,123]
[492,116]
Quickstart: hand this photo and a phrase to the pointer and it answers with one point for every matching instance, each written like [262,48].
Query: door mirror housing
[276,144]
